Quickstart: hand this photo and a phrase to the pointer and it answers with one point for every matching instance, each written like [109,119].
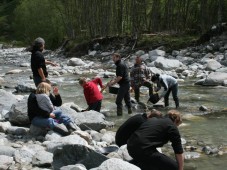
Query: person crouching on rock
[92,93]
[42,118]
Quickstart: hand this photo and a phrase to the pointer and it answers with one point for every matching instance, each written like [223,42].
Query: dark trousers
[37,80]
[137,90]
[95,106]
[153,161]
[123,93]
[174,90]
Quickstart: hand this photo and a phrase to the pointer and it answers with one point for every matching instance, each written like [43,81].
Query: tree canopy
[55,20]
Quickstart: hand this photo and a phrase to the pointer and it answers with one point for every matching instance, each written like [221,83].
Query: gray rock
[96,135]
[157,53]
[7,99]
[167,64]
[15,71]
[91,120]
[25,65]
[76,62]
[215,79]
[74,167]
[18,113]
[4,126]
[37,131]
[15,130]
[62,141]
[175,53]
[223,70]
[123,153]
[5,162]
[73,154]
[42,159]
[109,137]
[213,65]
[207,57]
[116,164]
[203,108]
[7,150]
[140,53]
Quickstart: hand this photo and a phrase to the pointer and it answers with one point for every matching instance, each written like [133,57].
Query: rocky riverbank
[25,147]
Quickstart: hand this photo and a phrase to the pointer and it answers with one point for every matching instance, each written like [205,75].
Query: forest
[56,20]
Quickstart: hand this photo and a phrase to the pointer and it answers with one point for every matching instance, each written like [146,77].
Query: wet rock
[208,150]
[203,108]
[116,164]
[191,155]
[73,154]
[190,148]
[18,113]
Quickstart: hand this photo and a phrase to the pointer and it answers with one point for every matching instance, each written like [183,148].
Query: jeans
[50,122]
[174,90]
[123,93]
[57,114]
[95,106]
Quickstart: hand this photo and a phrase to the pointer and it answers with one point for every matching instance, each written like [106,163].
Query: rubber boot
[177,103]
[61,130]
[72,127]
[129,110]
[119,111]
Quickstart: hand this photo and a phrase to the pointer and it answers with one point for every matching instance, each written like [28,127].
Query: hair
[155,77]
[175,116]
[82,80]
[37,44]
[117,55]
[154,113]
[43,88]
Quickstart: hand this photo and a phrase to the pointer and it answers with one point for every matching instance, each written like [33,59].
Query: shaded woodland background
[80,20]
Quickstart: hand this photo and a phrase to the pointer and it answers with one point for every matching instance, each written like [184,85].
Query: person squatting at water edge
[170,85]
[140,75]
[38,63]
[92,93]
[132,124]
[152,134]
[41,118]
[122,78]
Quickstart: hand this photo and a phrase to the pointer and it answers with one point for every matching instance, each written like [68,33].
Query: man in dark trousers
[122,78]
[153,133]
[38,63]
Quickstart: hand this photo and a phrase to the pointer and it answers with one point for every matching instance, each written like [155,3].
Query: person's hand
[52,115]
[54,64]
[55,91]
[43,80]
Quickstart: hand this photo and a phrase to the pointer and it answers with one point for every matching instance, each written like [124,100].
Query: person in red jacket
[92,93]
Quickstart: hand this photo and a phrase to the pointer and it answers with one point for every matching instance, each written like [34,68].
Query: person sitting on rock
[92,93]
[140,75]
[41,118]
[129,126]
[170,85]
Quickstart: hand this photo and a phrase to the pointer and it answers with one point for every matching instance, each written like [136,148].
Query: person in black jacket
[122,78]
[41,118]
[132,124]
[152,134]
[38,63]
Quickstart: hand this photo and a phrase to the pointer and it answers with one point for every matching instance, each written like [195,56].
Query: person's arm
[118,78]
[56,99]
[88,92]
[46,102]
[165,85]
[180,161]
[98,81]
[51,63]
[41,74]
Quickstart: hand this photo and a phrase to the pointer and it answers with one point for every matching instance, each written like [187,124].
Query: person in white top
[170,85]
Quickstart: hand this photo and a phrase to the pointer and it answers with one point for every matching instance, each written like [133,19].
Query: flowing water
[211,129]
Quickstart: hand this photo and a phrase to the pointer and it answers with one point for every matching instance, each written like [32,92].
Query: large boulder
[25,87]
[213,65]
[214,79]
[76,62]
[91,120]
[116,164]
[42,158]
[7,150]
[73,154]
[7,99]
[18,113]
[5,162]
[167,64]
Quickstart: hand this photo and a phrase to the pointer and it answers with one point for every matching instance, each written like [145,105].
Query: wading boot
[119,111]
[61,130]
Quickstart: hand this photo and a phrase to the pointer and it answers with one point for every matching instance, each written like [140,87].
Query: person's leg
[149,85]
[95,106]
[166,98]
[137,93]
[37,80]
[120,96]
[43,122]
[174,93]
[127,98]
[57,113]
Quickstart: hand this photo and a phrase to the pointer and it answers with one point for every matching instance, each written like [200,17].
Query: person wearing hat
[38,63]
[140,76]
